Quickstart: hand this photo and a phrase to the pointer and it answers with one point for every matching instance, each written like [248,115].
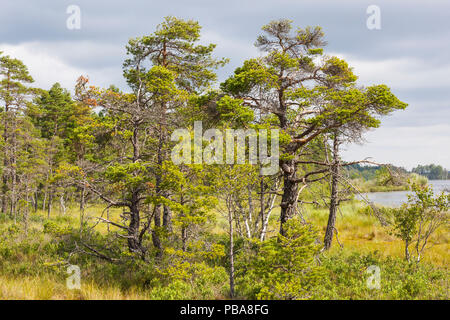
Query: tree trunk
[14,193]
[45,199]
[261,207]
[4,187]
[82,197]
[250,206]
[35,201]
[157,216]
[245,218]
[238,225]
[26,213]
[184,237]
[5,159]
[289,198]
[407,255]
[134,243]
[230,223]
[82,204]
[49,205]
[133,229]
[62,203]
[266,219]
[167,218]
[155,236]
[334,200]
[332,215]
[14,196]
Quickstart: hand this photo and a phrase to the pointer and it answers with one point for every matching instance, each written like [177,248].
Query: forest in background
[432,172]
[88,180]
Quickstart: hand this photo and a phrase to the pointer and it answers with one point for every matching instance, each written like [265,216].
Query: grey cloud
[414,33]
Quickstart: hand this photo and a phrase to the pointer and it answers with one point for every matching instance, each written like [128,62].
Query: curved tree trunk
[334,199]
[333,209]
[289,198]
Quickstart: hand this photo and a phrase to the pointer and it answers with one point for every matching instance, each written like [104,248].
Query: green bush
[347,278]
[285,267]
[53,228]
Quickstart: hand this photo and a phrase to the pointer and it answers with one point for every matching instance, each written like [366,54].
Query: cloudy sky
[410,52]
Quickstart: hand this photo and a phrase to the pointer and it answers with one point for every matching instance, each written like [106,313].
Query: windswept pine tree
[307,94]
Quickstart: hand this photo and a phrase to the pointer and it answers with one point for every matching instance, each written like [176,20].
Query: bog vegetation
[87,180]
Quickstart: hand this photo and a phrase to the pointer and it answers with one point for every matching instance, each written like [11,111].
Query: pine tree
[306,94]
[15,96]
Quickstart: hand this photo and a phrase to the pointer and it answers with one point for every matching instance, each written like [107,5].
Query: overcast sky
[410,52]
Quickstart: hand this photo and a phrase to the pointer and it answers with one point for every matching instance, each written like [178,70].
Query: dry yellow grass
[365,234]
[45,288]
[357,232]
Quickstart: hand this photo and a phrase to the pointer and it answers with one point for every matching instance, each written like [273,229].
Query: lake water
[396,198]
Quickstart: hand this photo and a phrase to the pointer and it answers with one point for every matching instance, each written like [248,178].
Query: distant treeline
[431,171]
[369,172]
